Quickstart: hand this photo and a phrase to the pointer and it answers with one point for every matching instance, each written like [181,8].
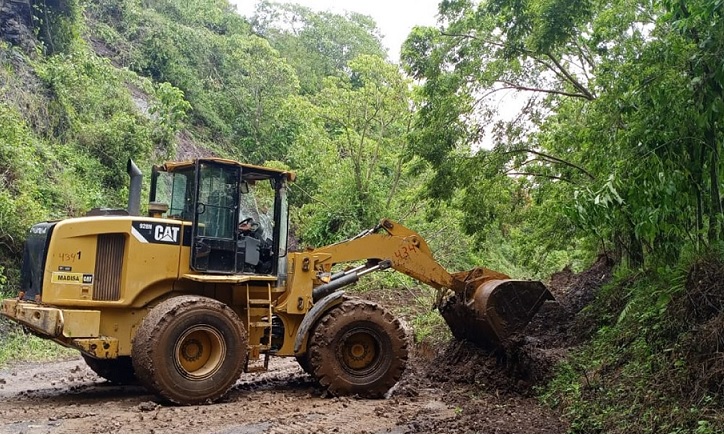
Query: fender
[317,311]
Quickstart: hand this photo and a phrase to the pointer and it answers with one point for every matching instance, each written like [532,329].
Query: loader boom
[406,250]
[480,305]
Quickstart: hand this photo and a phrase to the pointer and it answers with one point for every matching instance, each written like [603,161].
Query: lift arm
[480,305]
[396,246]
[391,245]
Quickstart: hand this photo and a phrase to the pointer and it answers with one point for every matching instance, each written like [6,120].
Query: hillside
[606,184]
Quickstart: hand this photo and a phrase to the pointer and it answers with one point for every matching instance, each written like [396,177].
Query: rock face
[16,24]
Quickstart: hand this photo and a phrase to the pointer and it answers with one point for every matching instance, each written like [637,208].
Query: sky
[395,18]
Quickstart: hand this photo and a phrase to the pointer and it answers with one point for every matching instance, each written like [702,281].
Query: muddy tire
[117,371]
[358,348]
[190,350]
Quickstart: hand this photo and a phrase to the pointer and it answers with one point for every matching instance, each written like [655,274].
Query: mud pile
[529,357]
[492,388]
[699,312]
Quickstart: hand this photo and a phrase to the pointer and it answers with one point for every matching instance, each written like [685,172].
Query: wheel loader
[185,298]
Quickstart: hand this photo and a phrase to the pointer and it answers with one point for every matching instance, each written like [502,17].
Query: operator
[249,227]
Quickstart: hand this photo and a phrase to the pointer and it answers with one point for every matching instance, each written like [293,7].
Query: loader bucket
[490,307]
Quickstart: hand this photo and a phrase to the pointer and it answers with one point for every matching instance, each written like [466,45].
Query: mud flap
[492,311]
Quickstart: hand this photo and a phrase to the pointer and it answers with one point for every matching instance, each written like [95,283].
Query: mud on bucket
[495,310]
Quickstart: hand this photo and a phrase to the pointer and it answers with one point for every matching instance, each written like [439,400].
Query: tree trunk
[715,209]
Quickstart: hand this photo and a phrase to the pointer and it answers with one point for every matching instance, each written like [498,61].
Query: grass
[18,346]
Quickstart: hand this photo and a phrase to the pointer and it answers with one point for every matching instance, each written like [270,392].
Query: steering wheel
[253,225]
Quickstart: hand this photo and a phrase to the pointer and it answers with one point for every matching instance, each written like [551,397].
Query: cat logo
[166,234]
[151,232]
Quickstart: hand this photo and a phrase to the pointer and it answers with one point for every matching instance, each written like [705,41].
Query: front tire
[358,348]
[190,350]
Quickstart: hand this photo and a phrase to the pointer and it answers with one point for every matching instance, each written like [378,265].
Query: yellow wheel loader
[204,287]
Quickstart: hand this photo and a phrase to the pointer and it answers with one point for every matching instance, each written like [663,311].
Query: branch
[550,67]
[559,70]
[585,55]
[531,161]
[466,36]
[531,174]
[491,92]
[572,79]
[546,91]
[552,159]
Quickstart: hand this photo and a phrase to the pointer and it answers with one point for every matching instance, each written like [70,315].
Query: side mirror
[244,187]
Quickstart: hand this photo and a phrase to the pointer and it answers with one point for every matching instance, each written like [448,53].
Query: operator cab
[237,213]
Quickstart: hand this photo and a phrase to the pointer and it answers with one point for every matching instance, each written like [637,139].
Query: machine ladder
[259,319]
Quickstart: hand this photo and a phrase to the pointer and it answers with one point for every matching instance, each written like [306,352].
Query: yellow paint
[146,267]
[81,323]
[102,347]
[48,321]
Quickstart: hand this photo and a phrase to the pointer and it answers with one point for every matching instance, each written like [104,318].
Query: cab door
[216,216]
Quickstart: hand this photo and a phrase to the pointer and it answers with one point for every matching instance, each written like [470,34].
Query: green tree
[257,83]
[366,117]
[316,44]
[609,122]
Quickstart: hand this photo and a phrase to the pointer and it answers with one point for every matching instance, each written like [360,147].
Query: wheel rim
[199,352]
[359,351]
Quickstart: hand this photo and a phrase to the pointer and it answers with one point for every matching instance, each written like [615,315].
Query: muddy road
[454,388]
[67,397]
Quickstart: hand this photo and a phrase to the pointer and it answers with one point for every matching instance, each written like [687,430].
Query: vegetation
[616,148]
[18,346]
[654,362]
[612,144]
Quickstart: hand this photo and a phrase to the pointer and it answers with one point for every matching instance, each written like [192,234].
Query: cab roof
[248,172]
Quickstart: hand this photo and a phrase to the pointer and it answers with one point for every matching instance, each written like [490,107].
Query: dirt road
[67,397]
[452,389]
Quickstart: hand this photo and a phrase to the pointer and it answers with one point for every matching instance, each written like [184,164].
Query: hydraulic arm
[480,305]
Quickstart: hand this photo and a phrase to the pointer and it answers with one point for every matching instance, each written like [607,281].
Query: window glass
[258,204]
[176,190]
[217,201]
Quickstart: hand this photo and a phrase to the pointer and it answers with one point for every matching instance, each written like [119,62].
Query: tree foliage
[316,44]
[620,114]
[365,116]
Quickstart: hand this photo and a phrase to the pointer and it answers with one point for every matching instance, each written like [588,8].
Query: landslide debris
[472,377]
[527,358]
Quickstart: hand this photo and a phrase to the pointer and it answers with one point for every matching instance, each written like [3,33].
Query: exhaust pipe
[134,190]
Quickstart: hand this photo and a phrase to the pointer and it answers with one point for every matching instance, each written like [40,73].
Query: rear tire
[358,348]
[190,350]
[117,371]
